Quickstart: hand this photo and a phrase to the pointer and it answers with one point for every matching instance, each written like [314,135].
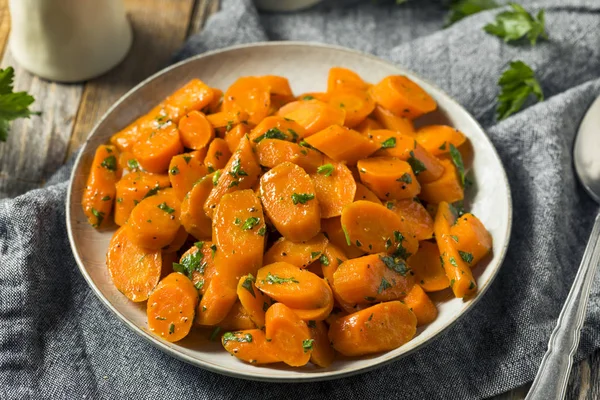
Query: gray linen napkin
[58,341]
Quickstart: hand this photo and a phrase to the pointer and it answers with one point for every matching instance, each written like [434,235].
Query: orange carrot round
[312,115]
[253,300]
[195,130]
[249,94]
[218,155]
[421,305]
[389,178]
[437,139]
[427,266]
[322,353]
[473,241]
[334,186]
[364,193]
[415,218]
[403,97]
[250,346]
[272,152]
[154,152]
[343,78]
[301,254]
[289,336]
[184,171]
[193,218]
[357,104]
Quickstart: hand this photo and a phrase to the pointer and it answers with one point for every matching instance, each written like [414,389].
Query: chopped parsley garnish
[307,345]
[308,97]
[388,143]
[395,264]
[262,231]
[467,257]
[416,164]
[163,206]
[236,169]
[110,163]
[453,262]
[463,8]
[190,263]
[105,198]
[383,286]
[229,126]
[247,284]
[293,133]
[237,221]
[215,178]
[233,337]
[151,192]
[358,243]
[458,162]
[454,237]
[133,165]
[302,198]
[314,254]
[213,248]
[13,105]
[187,158]
[326,169]
[250,223]
[389,205]
[171,328]
[199,285]
[99,217]
[273,133]
[232,184]
[324,260]
[443,146]
[174,170]
[471,285]
[406,178]
[274,279]
[347,235]
[516,24]
[304,143]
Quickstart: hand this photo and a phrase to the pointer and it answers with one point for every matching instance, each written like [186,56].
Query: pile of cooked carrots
[293,227]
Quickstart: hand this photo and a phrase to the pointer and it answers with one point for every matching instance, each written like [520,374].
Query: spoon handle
[553,374]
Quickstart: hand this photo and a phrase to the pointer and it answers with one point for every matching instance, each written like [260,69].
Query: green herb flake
[247,284]
[277,280]
[233,183]
[237,337]
[302,198]
[443,146]
[326,169]
[110,163]
[215,333]
[236,169]
[370,317]
[163,206]
[369,298]
[229,126]
[119,199]
[133,165]
[199,285]
[416,164]
[517,83]
[174,170]
[99,217]
[105,198]
[383,286]
[314,254]
[471,285]
[151,192]
[293,133]
[213,249]
[171,328]
[518,23]
[395,264]
[250,223]
[304,143]
[389,205]
[467,257]
[308,97]
[273,133]
[406,178]
[389,143]
[215,178]
[358,243]
[347,235]
[307,345]
[458,162]
[463,8]
[452,282]
[262,231]
[324,260]
[453,262]
[160,318]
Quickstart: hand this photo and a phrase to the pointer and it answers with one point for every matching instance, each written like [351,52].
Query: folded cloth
[58,341]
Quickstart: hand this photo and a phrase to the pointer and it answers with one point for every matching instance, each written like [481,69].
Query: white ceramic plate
[306,66]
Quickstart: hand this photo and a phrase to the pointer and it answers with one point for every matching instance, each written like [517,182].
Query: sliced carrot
[295,287]
[473,241]
[382,327]
[218,155]
[241,172]
[373,278]
[427,266]
[368,125]
[290,202]
[335,187]
[223,119]
[171,307]
[134,270]
[154,151]
[184,171]
[127,137]
[277,85]
[312,115]
[249,94]
[235,134]
[195,130]
[437,139]
[332,227]
[237,319]
[193,218]
[322,353]
[421,305]
[154,222]
[253,300]
[342,144]
[357,104]
[403,97]
[100,190]
[301,254]
[447,188]
[276,127]
[343,78]
[178,241]
[364,193]
[458,272]
[272,152]
[194,95]
[198,263]
[215,104]
[132,189]
[390,121]
[375,229]
[415,218]
[389,178]
[289,336]
[250,346]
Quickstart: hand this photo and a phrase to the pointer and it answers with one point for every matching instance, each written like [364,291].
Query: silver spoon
[553,375]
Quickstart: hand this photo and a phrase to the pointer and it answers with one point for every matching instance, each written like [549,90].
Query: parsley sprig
[518,23]
[13,105]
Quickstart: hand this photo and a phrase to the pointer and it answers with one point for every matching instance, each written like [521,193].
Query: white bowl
[306,66]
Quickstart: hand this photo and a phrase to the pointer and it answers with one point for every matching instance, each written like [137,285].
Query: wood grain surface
[38,146]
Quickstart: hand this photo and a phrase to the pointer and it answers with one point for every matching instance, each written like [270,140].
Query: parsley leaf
[110,163]
[416,164]
[384,285]
[464,8]
[517,83]
[406,178]
[324,260]
[307,345]
[326,169]
[274,279]
[99,217]
[13,105]
[215,178]
[133,165]
[395,264]
[247,284]
[308,97]
[388,143]
[190,263]
[458,161]
[236,169]
[302,198]
[233,337]
[517,23]
[273,133]
[467,257]
[165,207]
[250,223]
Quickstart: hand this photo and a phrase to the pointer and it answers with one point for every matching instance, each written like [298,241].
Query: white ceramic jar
[69,40]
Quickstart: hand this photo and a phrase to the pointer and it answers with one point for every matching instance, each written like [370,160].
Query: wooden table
[37,147]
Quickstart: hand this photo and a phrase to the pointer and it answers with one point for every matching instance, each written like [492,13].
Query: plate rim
[330,375]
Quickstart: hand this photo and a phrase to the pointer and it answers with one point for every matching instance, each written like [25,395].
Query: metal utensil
[553,374]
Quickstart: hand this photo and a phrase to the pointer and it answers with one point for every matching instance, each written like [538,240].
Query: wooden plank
[4,24]
[160,27]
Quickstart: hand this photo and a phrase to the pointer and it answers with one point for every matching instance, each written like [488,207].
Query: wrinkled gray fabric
[58,341]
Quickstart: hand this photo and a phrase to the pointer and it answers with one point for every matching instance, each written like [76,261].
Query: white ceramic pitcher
[69,40]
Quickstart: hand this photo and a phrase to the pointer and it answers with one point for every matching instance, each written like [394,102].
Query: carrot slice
[249,94]
[234,135]
[155,221]
[295,287]
[403,97]
[134,270]
[272,152]
[375,229]
[447,188]
[276,127]
[218,155]
[332,227]
[473,241]
[364,193]
[322,353]
[171,307]
[100,190]
[278,85]
[343,78]
[237,319]
[289,336]
[368,125]
[301,254]
[178,241]
[224,119]
[184,171]
[382,327]
[215,104]
[437,139]
[195,130]
[458,272]
[193,218]
[198,264]
[373,278]
[312,115]
[342,144]
[421,305]
[389,178]
[415,218]
[250,346]
[288,196]
[154,151]
[126,138]
[253,300]
[357,103]
[388,120]
[132,189]
[427,266]
[241,172]
[334,187]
